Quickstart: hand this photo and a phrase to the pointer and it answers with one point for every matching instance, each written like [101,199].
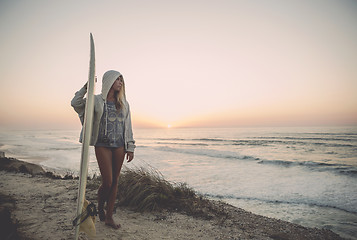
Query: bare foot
[111,223]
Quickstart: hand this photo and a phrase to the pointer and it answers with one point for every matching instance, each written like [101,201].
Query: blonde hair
[120,96]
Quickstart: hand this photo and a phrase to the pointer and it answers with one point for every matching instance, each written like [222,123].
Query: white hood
[107,82]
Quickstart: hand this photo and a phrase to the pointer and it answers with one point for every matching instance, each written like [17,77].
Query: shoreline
[43,208]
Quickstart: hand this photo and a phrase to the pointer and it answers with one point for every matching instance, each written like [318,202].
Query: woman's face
[118,83]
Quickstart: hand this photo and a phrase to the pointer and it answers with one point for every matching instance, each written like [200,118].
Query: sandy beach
[41,207]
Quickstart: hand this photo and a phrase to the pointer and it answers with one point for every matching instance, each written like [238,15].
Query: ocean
[302,175]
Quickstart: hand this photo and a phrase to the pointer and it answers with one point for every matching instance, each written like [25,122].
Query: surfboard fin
[86,220]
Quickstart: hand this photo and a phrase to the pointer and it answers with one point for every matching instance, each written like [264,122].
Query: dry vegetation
[146,190]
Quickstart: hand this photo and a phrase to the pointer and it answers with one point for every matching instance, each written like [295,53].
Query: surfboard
[87,133]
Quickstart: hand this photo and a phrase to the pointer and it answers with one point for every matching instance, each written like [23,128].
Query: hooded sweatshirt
[78,103]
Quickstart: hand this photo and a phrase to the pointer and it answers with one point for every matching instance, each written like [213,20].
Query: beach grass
[145,189]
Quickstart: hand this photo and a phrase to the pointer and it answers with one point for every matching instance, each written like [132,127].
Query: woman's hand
[129,156]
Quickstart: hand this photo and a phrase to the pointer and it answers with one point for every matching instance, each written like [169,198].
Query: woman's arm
[129,132]
[79,102]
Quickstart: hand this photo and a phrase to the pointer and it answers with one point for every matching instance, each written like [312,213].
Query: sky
[212,63]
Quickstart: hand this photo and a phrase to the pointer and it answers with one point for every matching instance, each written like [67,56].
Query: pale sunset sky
[187,63]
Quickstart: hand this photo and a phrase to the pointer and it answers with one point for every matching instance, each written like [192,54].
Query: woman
[112,137]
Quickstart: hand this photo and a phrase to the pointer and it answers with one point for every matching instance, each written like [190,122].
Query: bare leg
[117,163]
[104,159]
